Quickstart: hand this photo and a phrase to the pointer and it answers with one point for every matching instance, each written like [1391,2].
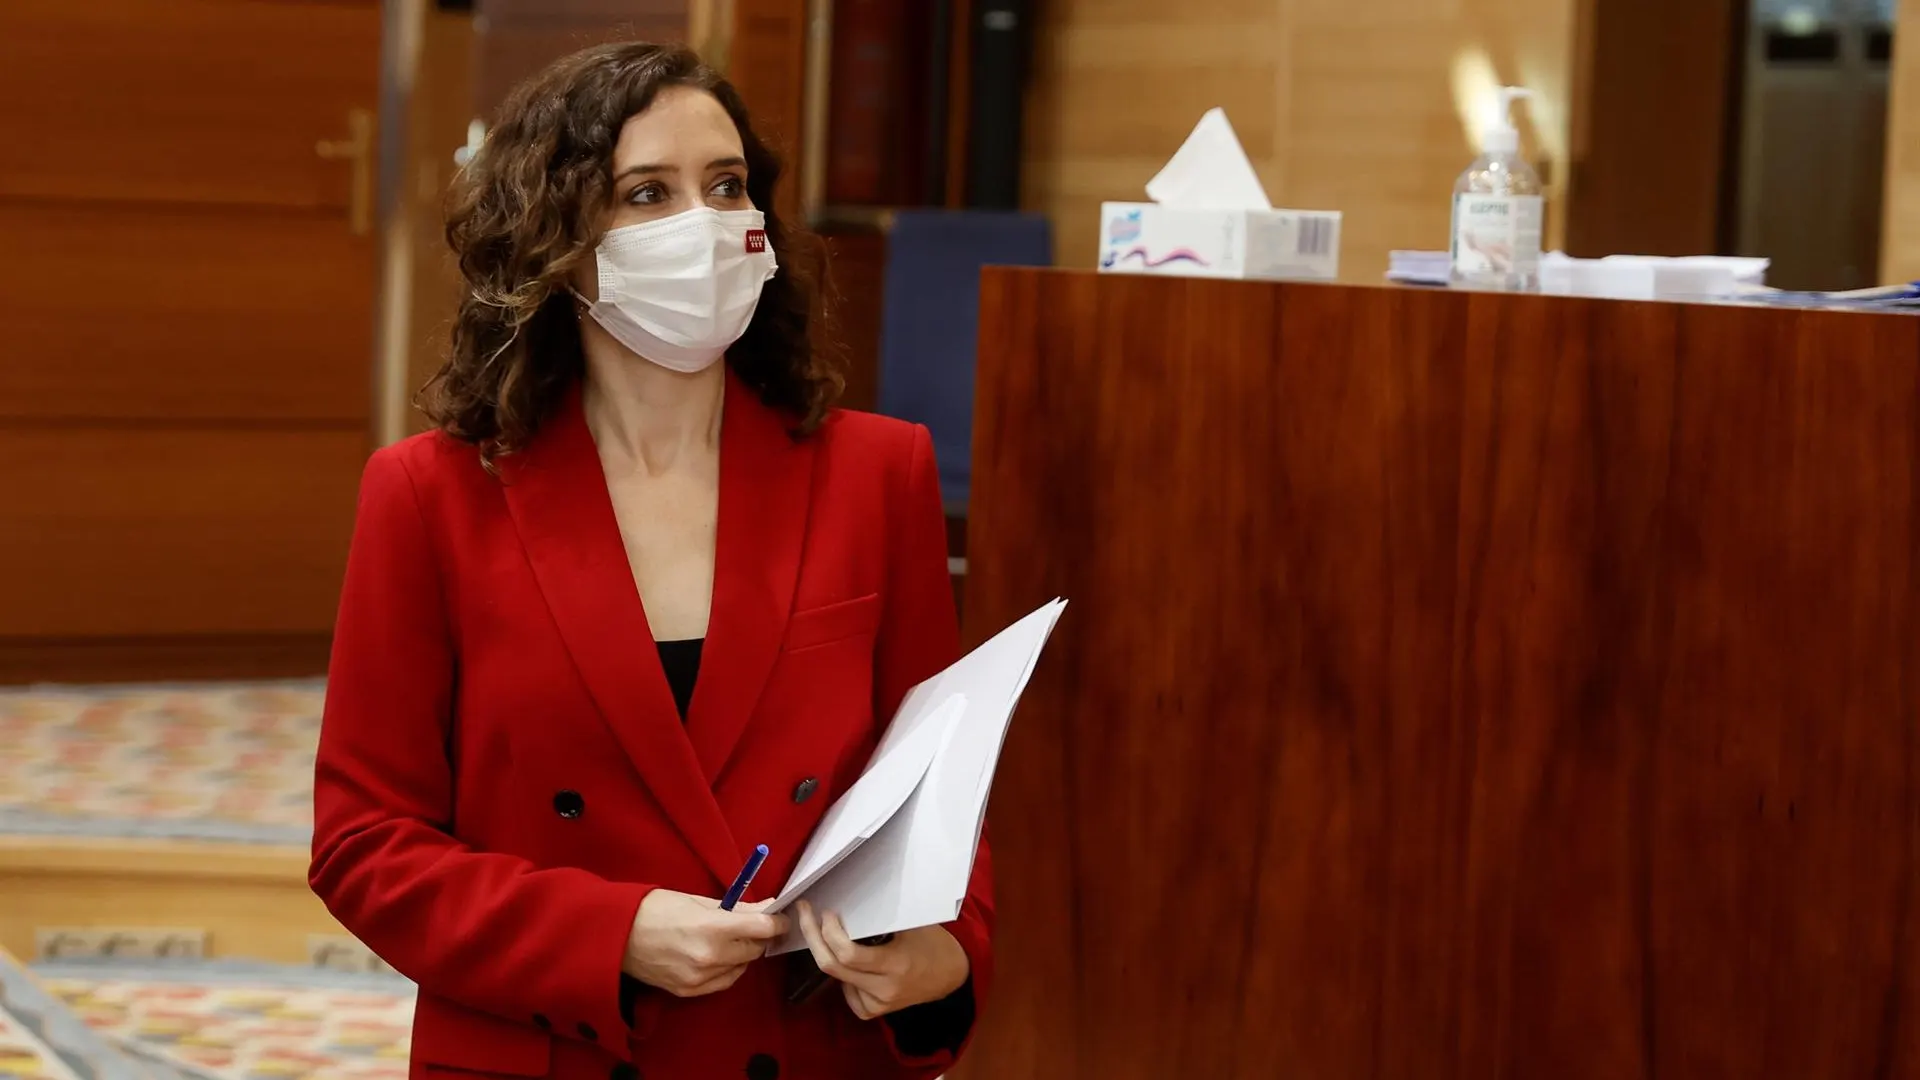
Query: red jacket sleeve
[485,930]
[920,637]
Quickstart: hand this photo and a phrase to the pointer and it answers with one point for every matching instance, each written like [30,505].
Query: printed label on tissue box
[1279,245]
[1497,234]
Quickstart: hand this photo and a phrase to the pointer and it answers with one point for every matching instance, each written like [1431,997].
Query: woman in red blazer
[641,602]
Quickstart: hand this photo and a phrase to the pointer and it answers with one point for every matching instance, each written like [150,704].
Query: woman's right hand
[687,946]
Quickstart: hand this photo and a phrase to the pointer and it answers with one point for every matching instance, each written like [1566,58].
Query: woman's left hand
[916,967]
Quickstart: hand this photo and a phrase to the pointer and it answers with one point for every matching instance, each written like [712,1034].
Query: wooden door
[188,296]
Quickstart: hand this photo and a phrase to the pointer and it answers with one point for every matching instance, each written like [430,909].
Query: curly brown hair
[529,208]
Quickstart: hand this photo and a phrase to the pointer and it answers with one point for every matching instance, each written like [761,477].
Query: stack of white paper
[896,851]
[1419,267]
[1651,277]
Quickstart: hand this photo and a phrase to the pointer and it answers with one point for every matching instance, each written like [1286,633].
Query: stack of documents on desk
[896,851]
[1901,298]
[1651,277]
[1419,267]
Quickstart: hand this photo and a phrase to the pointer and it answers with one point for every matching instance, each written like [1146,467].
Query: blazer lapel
[557,495]
[766,482]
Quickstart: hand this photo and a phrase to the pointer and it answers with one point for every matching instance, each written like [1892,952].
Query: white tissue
[1210,171]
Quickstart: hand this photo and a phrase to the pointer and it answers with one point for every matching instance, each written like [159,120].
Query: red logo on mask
[756,241]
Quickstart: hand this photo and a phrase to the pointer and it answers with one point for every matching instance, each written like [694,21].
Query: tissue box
[1276,245]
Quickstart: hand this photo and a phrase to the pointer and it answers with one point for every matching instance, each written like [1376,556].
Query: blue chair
[930,319]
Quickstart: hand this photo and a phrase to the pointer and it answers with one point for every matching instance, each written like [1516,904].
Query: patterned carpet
[236,1021]
[213,1020]
[41,1039]
[226,762]
[230,762]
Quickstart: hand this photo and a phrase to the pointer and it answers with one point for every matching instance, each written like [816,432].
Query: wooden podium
[1454,686]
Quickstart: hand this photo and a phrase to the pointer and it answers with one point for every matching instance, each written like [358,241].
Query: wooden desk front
[1454,686]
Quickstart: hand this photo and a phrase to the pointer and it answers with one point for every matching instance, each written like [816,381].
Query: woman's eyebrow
[645,170]
[649,170]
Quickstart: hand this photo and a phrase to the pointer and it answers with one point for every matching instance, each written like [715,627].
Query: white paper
[913,868]
[896,769]
[1650,277]
[1210,171]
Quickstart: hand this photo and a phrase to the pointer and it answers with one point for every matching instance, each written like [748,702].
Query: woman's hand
[687,946]
[916,967]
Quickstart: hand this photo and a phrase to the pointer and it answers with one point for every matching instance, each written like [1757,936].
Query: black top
[681,659]
[922,1030]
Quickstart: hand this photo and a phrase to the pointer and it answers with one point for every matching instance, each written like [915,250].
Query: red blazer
[503,774]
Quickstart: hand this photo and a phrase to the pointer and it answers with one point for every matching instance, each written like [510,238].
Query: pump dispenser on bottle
[1498,211]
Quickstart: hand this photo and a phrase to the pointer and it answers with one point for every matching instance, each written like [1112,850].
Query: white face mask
[679,291]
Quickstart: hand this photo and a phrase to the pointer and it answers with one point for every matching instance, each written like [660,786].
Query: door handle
[357,150]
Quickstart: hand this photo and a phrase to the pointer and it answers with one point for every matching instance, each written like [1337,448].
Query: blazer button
[624,1071]
[569,804]
[763,1067]
[802,792]
[587,1032]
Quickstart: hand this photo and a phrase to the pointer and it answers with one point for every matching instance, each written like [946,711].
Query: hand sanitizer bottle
[1498,211]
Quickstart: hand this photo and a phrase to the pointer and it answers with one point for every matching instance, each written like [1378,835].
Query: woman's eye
[729,187]
[647,194]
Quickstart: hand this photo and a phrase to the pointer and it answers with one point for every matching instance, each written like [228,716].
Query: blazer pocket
[835,622]
[452,1037]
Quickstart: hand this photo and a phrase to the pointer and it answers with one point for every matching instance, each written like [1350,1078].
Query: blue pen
[745,879]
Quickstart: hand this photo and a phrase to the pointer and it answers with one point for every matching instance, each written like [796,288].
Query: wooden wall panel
[512,52]
[517,38]
[1661,86]
[124,116]
[766,62]
[1490,686]
[876,124]
[762,47]
[858,262]
[959,103]
[583,11]
[238,325]
[438,116]
[185,394]
[1900,213]
[1341,105]
[168,658]
[104,540]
